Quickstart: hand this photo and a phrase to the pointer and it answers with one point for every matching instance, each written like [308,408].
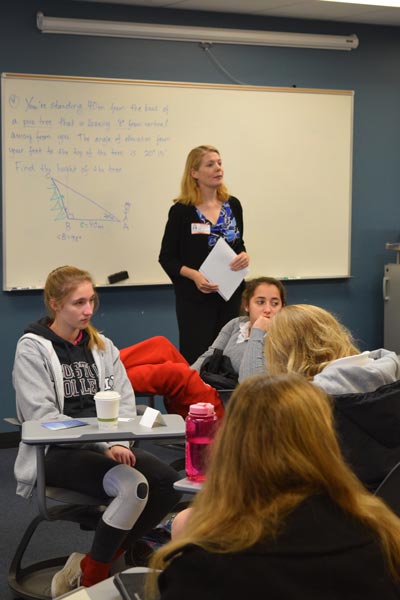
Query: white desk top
[105,590]
[33,432]
[187,485]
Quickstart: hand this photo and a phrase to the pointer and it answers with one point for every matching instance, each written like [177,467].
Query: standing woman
[60,363]
[203,212]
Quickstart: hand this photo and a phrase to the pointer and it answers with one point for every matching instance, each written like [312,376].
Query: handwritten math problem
[91,167]
[84,136]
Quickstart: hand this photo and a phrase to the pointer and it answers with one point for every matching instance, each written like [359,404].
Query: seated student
[309,340]
[280,511]
[156,366]
[60,363]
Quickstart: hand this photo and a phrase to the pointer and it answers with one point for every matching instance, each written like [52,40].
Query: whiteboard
[91,166]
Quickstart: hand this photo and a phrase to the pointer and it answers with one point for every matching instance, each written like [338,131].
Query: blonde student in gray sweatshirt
[364,386]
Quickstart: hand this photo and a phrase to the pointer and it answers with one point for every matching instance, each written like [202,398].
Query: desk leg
[41,481]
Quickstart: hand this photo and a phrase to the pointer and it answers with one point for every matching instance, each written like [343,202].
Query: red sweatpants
[155,366]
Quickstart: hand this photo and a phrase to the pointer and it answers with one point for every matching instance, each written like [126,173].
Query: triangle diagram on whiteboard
[71,205]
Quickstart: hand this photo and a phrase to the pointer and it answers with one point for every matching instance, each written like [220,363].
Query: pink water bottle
[200,428]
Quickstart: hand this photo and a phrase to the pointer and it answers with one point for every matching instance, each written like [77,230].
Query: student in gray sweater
[156,366]
[243,338]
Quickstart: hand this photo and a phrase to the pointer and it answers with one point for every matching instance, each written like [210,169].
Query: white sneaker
[68,578]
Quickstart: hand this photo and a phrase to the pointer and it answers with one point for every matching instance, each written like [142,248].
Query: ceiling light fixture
[184,33]
[383,3]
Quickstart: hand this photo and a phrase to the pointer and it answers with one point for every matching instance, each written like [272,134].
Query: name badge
[201,228]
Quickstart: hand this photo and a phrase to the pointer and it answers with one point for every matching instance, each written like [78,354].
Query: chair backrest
[389,489]
[12,421]
[71,502]
[62,495]
[225,395]
[368,427]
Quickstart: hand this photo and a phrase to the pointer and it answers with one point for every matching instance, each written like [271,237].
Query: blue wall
[130,314]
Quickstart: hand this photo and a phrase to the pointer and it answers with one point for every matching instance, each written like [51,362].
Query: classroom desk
[188,486]
[105,590]
[35,434]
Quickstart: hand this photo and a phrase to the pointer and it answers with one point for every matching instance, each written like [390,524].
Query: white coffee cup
[107,409]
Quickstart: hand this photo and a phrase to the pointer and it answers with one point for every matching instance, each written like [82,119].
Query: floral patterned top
[225,226]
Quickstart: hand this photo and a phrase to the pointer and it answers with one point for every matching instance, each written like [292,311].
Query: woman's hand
[203,285]
[122,455]
[263,323]
[241,261]
[201,282]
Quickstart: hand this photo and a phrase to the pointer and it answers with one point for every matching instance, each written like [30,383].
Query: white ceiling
[299,9]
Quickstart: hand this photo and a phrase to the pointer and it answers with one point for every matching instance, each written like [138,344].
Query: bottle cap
[202,409]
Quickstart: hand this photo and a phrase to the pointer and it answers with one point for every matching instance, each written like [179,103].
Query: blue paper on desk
[54,425]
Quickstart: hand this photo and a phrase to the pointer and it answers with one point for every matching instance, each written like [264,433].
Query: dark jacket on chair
[368,426]
[366,393]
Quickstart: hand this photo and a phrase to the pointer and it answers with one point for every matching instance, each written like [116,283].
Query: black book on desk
[130,585]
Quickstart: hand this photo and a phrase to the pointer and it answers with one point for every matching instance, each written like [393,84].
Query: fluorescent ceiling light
[390,3]
[211,35]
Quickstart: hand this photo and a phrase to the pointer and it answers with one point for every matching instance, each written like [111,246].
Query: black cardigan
[321,554]
[180,247]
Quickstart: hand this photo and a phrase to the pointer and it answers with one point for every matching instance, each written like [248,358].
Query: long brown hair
[304,339]
[190,192]
[60,283]
[276,446]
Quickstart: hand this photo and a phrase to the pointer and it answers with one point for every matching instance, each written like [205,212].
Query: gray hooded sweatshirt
[362,373]
[39,388]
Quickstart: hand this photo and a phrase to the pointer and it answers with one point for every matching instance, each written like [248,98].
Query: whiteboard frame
[344,273]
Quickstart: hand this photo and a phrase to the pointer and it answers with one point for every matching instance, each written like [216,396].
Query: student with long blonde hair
[280,513]
[309,340]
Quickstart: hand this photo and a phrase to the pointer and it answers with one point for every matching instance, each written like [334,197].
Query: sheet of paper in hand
[217,270]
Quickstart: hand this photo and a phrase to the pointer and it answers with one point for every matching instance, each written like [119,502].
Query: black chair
[225,394]
[149,397]
[33,582]
[368,428]
[389,489]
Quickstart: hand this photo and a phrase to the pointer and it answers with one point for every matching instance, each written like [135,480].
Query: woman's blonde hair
[190,191]
[304,339]
[60,283]
[276,446]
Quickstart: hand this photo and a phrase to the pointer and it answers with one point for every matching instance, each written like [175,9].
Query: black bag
[217,371]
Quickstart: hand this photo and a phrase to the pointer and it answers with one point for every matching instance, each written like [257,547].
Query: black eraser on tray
[116,277]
